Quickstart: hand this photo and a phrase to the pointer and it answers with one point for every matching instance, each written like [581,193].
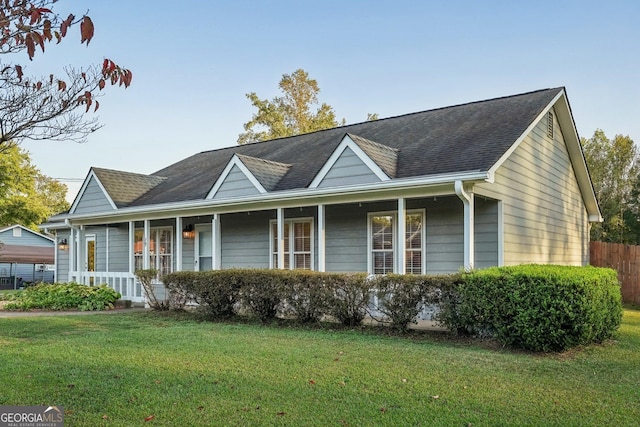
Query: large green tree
[27,196]
[289,114]
[51,107]
[614,168]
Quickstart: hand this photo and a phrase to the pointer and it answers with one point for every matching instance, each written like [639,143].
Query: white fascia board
[84,187]
[235,161]
[344,144]
[297,197]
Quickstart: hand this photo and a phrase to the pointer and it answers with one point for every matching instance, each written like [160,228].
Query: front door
[203,249]
[90,256]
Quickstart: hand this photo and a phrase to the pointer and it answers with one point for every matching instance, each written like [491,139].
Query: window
[298,244]
[382,242]
[160,249]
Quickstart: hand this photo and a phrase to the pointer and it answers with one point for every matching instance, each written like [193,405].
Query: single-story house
[495,182]
[25,256]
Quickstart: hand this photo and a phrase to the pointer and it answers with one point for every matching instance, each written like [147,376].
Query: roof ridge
[284,138]
[273,162]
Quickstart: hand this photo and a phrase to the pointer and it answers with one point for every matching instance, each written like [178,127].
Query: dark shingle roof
[385,157]
[125,187]
[268,173]
[464,138]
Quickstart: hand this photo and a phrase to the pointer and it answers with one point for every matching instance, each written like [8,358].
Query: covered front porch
[425,231]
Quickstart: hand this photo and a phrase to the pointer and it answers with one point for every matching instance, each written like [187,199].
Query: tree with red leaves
[48,108]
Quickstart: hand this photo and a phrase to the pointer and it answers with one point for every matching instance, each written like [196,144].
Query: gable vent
[550,125]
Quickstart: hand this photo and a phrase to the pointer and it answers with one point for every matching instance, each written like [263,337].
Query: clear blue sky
[193,62]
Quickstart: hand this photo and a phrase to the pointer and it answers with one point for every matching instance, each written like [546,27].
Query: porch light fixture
[188,232]
[63,245]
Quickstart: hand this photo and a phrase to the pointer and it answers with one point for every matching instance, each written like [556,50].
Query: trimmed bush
[306,294]
[402,297]
[537,307]
[65,296]
[216,292]
[349,297]
[261,292]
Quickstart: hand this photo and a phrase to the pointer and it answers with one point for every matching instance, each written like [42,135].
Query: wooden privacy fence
[623,258]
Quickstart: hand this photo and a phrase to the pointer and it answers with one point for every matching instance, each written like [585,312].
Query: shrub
[64,296]
[216,292]
[536,307]
[261,292]
[306,294]
[349,297]
[402,297]
[146,278]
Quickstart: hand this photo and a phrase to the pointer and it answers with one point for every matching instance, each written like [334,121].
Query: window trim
[394,215]
[289,222]
[157,254]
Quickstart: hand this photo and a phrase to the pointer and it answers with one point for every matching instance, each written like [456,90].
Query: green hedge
[65,296]
[536,307]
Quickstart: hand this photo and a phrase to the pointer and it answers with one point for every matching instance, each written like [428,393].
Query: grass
[120,369]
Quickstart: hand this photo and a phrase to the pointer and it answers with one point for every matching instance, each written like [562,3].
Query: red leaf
[38,85]
[280,414]
[62,85]
[31,45]
[101,84]
[149,418]
[86,30]
[97,106]
[19,72]
[65,25]
[38,38]
[84,77]
[312,382]
[46,31]
[35,16]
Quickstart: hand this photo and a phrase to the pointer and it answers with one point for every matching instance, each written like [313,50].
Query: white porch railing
[125,283]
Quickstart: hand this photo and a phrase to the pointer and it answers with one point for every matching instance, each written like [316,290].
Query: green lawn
[120,369]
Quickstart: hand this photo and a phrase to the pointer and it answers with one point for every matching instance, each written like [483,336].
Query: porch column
[280,220]
[145,246]
[216,253]
[178,243]
[79,251]
[72,253]
[469,220]
[321,239]
[402,240]
[132,242]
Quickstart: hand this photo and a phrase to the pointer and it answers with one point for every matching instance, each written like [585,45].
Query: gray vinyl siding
[346,238]
[236,184]
[62,260]
[26,238]
[101,246]
[245,240]
[486,233]
[93,199]
[348,170]
[445,235]
[544,217]
[119,248]
[188,253]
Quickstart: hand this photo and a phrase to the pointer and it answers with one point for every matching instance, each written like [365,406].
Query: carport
[13,256]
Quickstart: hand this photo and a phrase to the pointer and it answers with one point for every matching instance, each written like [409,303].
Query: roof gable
[113,188]
[19,234]
[350,163]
